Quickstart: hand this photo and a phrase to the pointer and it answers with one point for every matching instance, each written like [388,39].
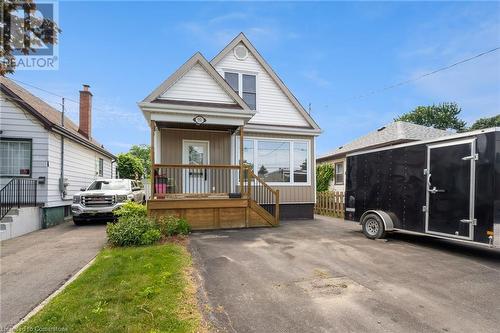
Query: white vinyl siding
[273,106]
[17,123]
[81,167]
[198,86]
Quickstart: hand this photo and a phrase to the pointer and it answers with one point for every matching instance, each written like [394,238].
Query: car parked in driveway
[103,196]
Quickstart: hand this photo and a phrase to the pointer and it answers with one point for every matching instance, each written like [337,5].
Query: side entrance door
[450,189]
[195,153]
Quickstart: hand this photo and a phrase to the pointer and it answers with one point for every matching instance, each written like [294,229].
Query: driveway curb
[51,296]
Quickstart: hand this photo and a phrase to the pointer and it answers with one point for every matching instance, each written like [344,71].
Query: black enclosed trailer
[447,187]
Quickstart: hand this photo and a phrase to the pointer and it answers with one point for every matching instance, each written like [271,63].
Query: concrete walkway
[323,275]
[35,265]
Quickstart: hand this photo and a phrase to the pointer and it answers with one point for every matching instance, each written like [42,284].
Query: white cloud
[314,76]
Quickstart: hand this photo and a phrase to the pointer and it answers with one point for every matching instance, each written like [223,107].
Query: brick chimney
[85,127]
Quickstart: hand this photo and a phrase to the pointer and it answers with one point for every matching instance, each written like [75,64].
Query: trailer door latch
[473,221]
[424,209]
[474,157]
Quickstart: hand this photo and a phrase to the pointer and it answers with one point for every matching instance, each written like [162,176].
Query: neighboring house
[388,135]
[209,113]
[39,148]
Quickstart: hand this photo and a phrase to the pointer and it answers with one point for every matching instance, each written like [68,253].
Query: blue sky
[328,54]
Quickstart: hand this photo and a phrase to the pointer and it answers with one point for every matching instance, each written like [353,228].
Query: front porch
[197,174]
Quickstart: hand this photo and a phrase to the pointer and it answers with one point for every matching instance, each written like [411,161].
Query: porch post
[152,153]
[241,160]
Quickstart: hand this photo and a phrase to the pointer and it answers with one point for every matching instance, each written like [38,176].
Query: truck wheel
[373,227]
[77,221]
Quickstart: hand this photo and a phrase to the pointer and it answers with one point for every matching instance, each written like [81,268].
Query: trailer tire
[373,226]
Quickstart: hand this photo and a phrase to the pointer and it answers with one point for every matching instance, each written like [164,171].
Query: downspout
[62,182]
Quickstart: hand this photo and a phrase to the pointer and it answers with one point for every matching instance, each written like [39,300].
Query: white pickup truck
[102,197]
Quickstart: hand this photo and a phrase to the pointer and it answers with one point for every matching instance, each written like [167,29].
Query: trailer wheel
[373,227]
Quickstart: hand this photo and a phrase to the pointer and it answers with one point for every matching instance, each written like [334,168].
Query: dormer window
[244,85]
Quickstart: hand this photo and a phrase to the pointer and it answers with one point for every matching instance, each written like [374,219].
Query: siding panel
[16,123]
[273,106]
[80,168]
[197,85]
[171,145]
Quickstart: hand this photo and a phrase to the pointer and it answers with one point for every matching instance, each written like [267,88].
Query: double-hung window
[15,157]
[339,173]
[278,160]
[101,167]
[244,85]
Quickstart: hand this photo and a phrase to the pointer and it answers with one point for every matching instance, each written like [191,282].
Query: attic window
[244,85]
[240,52]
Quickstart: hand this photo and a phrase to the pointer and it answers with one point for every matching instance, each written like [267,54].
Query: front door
[195,153]
[450,189]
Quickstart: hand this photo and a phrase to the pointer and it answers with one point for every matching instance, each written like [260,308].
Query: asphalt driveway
[325,276]
[35,265]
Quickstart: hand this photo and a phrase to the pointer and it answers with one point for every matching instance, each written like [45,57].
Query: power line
[423,75]
[44,90]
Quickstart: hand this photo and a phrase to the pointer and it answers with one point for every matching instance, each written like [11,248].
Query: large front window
[278,161]
[244,85]
[16,158]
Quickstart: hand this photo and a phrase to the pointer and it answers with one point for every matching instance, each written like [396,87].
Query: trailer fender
[385,217]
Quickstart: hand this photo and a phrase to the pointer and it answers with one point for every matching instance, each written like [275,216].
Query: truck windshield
[109,185]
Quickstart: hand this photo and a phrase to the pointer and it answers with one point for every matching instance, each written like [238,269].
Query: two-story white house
[232,146]
[45,159]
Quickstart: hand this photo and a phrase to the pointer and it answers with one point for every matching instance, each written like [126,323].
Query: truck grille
[98,201]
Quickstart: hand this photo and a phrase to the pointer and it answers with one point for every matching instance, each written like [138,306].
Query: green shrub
[131,209]
[133,231]
[172,225]
[151,236]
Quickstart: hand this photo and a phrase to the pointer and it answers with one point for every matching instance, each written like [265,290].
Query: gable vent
[240,52]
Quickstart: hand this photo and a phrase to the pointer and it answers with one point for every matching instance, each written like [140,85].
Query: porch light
[199,120]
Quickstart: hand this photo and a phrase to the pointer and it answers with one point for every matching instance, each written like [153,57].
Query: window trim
[30,140]
[335,173]
[240,82]
[291,141]
[100,167]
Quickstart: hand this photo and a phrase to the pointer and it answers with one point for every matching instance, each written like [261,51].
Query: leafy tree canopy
[442,116]
[486,123]
[142,152]
[129,166]
[22,29]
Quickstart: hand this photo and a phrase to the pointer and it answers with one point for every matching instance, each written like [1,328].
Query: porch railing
[18,192]
[171,180]
[260,192]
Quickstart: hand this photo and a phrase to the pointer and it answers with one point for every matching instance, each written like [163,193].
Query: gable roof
[47,115]
[241,38]
[198,58]
[390,134]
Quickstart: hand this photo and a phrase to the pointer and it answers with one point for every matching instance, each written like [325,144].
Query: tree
[442,116]
[143,152]
[129,166]
[22,29]
[486,123]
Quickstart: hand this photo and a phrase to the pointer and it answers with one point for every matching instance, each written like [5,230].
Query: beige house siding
[294,193]
[333,186]
[171,145]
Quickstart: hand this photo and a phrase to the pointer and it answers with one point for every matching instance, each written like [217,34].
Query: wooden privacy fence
[330,204]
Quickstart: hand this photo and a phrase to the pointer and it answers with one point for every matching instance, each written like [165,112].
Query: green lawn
[136,289]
